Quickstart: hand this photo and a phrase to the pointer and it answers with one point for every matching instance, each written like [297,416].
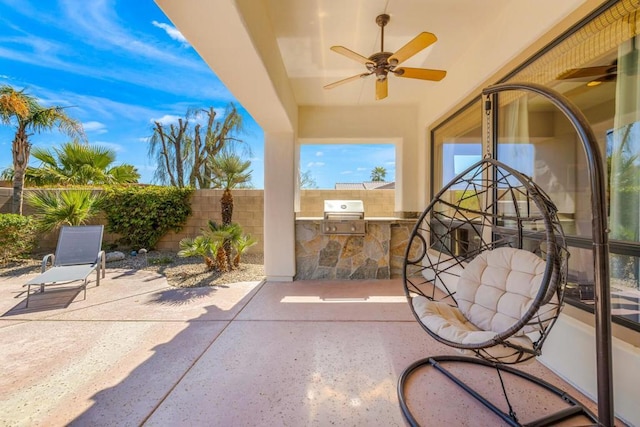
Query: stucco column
[279,216]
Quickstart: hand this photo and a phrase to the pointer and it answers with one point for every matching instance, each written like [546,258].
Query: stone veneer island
[379,254]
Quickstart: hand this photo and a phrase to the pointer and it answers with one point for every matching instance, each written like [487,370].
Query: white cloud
[167,119]
[319,154]
[171,32]
[361,169]
[94,126]
[111,145]
[314,164]
[346,172]
[164,65]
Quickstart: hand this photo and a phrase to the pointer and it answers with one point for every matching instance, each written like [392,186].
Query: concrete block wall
[5,199]
[205,204]
[377,203]
[248,212]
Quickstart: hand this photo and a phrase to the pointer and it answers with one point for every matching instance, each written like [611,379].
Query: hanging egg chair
[490,281]
[485,272]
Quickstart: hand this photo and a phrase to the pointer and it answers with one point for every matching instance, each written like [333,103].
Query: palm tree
[75,163]
[229,171]
[25,112]
[378,174]
[57,208]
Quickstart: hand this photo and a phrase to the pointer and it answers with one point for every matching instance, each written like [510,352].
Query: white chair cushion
[449,323]
[497,288]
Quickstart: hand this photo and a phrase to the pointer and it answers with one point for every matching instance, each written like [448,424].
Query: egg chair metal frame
[498,207]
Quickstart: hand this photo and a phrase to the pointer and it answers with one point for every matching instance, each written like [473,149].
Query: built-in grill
[344,217]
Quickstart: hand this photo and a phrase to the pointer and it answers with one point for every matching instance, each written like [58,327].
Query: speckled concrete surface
[138,352]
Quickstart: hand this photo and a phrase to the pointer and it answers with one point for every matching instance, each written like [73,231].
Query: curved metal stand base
[574,409]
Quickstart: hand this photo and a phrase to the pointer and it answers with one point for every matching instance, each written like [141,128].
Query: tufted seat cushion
[494,291]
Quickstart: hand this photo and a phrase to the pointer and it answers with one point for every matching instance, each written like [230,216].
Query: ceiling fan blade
[420,73]
[382,89]
[347,80]
[576,73]
[419,42]
[351,54]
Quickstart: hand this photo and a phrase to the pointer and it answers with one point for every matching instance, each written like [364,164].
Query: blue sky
[331,163]
[119,65]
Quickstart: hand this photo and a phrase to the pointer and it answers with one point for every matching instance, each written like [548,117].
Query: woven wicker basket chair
[484,273]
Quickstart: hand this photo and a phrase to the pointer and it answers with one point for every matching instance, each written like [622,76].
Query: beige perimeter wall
[248,212]
[205,204]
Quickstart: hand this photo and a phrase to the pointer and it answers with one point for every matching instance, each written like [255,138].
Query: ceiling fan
[383,63]
[593,75]
[628,65]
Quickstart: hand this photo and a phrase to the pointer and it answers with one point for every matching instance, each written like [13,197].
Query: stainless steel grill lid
[344,217]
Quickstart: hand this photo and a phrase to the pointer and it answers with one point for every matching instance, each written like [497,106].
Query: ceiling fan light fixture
[382,63]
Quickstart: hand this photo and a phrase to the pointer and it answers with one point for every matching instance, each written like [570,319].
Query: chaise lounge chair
[77,255]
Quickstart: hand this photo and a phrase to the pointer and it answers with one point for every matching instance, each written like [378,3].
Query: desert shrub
[142,215]
[17,236]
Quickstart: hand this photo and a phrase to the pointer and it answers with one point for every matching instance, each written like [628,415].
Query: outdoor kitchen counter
[368,218]
[378,254]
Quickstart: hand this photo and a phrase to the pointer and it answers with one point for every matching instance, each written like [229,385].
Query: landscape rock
[114,256]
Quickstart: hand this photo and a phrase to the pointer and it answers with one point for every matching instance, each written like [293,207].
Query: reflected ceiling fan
[593,75]
[383,63]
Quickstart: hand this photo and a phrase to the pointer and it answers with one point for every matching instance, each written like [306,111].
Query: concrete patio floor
[139,352]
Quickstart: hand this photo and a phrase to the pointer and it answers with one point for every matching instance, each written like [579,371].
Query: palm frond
[57,208]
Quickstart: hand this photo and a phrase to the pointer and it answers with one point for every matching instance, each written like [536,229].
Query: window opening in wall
[347,166]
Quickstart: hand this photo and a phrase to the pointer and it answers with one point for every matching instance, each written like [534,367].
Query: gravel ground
[180,272]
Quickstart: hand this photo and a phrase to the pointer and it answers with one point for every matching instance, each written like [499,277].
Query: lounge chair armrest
[47,258]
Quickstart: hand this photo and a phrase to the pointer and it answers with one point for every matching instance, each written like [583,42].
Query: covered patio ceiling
[274,55]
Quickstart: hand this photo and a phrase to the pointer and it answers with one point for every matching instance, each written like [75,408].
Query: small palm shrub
[54,209]
[204,246]
[229,233]
[212,245]
[240,246]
